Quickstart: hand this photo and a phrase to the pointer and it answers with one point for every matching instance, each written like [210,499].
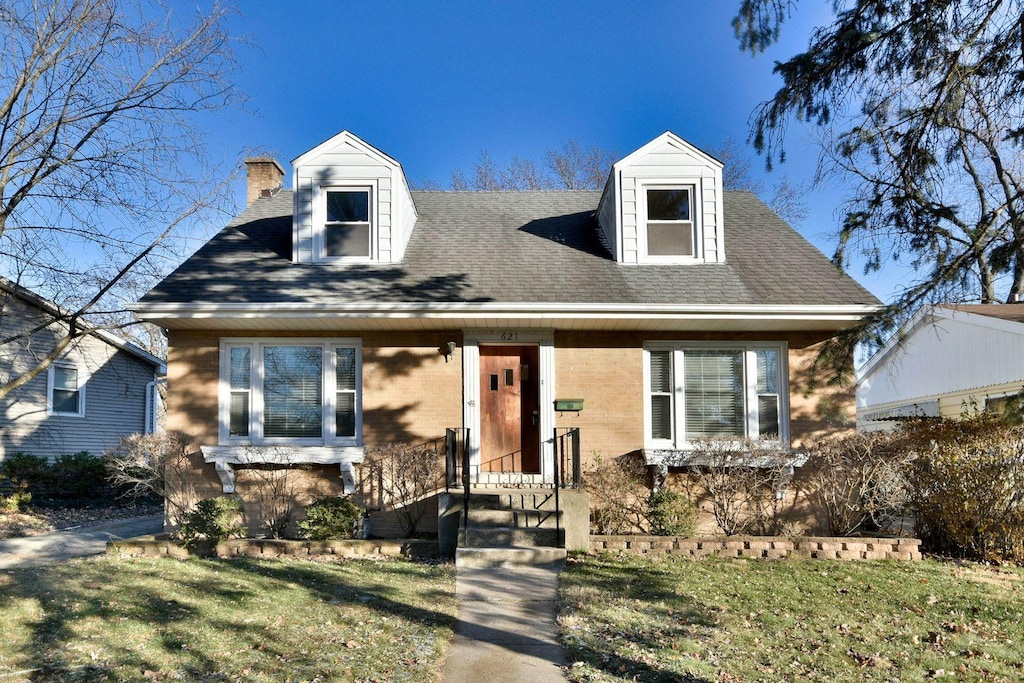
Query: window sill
[675,457]
[283,455]
[224,457]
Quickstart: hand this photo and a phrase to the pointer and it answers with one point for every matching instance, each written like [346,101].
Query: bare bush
[860,481]
[271,489]
[406,476]
[744,482]
[154,464]
[966,485]
[619,494]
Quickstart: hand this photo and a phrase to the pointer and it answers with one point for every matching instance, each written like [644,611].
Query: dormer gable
[351,204]
[662,204]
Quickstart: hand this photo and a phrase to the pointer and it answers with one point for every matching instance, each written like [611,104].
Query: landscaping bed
[110,619]
[662,618]
[266,548]
[43,520]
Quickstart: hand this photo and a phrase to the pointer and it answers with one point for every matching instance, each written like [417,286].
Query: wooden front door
[509,409]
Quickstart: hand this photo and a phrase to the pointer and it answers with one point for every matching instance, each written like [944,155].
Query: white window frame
[694,185]
[320,220]
[82,379]
[679,439]
[328,399]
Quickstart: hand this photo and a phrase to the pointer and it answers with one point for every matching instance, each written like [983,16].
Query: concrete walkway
[91,539]
[506,631]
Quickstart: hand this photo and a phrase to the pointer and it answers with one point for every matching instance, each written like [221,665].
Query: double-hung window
[348,222]
[304,391]
[65,393]
[670,228]
[727,391]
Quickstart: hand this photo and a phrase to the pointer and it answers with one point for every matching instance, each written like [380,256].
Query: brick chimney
[264,177]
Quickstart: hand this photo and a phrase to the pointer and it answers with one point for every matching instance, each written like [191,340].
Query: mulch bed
[34,521]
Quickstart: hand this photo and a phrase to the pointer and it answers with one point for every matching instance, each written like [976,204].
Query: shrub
[671,513]
[17,500]
[30,470]
[743,482]
[333,517]
[406,476]
[213,519]
[145,465]
[79,478]
[860,481]
[619,494]
[965,482]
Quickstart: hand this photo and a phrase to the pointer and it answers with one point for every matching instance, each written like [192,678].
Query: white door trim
[545,341]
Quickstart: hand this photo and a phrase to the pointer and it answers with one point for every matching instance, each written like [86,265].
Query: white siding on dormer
[347,161]
[666,160]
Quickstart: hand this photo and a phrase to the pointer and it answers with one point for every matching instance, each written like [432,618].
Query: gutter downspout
[153,404]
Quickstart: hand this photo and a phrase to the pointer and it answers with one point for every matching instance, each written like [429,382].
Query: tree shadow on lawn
[76,621]
[652,588]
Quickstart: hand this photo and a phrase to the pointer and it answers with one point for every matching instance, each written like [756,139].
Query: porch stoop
[514,527]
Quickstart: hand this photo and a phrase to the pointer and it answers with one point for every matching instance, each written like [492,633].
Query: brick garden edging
[764,547]
[154,546]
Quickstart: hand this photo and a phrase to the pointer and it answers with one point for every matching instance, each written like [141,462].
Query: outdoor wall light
[447,350]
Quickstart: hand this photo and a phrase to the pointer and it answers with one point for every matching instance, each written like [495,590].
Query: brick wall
[764,547]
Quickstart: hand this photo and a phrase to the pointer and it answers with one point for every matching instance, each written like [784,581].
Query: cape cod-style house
[528,327]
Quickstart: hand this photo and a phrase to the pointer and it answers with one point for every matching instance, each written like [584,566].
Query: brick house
[350,311]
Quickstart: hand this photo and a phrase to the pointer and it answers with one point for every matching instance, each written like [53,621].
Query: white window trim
[328,393]
[82,380]
[751,428]
[320,221]
[694,183]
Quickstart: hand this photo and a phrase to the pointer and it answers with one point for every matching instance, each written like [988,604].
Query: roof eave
[480,314]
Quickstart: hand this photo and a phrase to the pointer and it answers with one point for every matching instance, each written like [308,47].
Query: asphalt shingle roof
[509,247]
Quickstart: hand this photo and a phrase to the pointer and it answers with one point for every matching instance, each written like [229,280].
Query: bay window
[724,391]
[278,391]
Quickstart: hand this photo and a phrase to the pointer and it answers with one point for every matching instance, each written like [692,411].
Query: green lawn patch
[112,619]
[670,619]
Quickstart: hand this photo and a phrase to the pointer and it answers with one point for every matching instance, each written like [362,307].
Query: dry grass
[633,618]
[209,620]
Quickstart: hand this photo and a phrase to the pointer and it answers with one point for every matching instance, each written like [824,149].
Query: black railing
[567,458]
[457,468]
[566,474]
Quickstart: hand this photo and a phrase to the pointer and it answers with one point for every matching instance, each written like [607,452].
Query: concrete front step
[513,517]
[477,558]
[525,499]
[490,537]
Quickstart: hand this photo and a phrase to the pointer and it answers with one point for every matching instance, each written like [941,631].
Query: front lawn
[213,620]
[650,619]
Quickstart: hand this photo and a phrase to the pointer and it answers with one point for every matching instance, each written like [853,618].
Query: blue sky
[434,83]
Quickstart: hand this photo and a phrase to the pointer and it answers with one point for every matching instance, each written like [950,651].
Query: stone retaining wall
[764,547]
[270,548]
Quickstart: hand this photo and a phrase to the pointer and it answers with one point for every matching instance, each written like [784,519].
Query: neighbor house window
[670,227]
[347,225]
[65,390]
[285,391]
[697,391]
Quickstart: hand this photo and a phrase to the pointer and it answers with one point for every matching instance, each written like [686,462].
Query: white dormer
[663,204]
[352,204]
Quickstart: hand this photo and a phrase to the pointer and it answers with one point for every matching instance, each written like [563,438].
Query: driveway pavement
[91,539]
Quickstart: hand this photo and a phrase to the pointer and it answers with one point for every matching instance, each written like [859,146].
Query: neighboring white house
[101,388]
[945,360]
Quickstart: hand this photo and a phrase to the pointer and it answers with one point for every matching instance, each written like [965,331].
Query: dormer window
[670,230]
[348,226]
